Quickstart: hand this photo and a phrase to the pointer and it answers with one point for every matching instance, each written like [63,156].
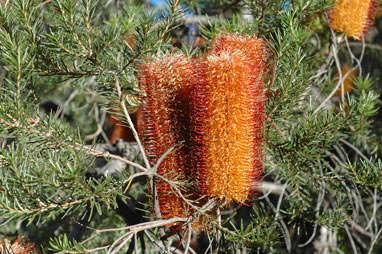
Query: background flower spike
[353,17]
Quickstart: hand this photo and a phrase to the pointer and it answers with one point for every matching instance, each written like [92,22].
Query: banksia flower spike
[165,81]
[229,117]
[353,17]
[350,73]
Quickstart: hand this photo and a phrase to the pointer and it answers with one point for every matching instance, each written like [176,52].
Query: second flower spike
[166,81]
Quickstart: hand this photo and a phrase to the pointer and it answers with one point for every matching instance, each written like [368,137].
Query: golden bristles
[231,108]
[230,164]
[353,17]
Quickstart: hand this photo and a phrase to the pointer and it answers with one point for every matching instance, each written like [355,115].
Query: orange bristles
[353,17]
[256,51]
[229,118]
[216,106]
[230,130]
[165,81]
[348,81]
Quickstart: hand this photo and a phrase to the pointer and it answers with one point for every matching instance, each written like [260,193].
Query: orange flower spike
[353,17]
[256,50]
[228,137]
[230,110]
[199,116]
[348,81]
[163,80]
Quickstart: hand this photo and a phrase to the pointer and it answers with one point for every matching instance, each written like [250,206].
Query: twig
[44,3]
[373,217]
[60,111]
[188,239]
[130,122]
[368,45]
[108,155]
[210,241]
[288,241]
[273,188]
[374,241]
[355,149]
[127,237]
[324,67]
[269,120]
[360,229]
[319,203]
[341,78]
[77,146]
[145,225]
[352,55]
[351,239]
[157,243]
[99,125]
[218,234]
[95,250]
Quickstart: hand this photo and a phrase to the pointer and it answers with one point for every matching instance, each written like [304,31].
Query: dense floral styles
[215,104]
[353,17]
[165,81]
[228,118]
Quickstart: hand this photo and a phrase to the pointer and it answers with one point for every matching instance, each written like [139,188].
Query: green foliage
[259,234]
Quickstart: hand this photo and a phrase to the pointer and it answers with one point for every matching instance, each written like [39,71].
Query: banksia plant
[74,192]
[228,118]
[165,81]
[353,17]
